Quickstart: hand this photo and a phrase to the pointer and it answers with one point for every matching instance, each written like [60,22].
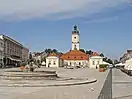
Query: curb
[50,85]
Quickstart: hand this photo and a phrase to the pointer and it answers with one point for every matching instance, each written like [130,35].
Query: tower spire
[75,38]
[75,29]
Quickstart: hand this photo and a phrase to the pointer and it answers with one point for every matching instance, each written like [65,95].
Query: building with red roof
[74,57]
[95,60]
[53,60]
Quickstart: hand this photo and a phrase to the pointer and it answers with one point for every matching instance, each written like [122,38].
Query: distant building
[75,39]
[1,52]
[54,60]
[95,60]
[39,56]
[13,51]
[25,54]
[126,56]
[74,57]
[36,56]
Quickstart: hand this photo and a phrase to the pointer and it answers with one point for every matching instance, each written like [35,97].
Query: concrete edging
[50,85]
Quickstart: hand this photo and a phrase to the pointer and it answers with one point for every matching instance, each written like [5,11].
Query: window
[70,63]
[54,63]
[75,57]
[79,63]
[93,63]
[98,62]
[81,57]
[49,62]
[74,37]
[75,47]
[68,57]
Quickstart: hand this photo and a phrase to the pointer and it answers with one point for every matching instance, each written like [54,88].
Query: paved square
[122,85]
[88,91]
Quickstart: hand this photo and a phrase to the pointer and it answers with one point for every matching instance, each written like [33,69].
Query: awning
[120,64]
[105,63]
[14,59]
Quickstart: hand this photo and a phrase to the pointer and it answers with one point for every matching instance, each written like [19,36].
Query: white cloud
[29,9]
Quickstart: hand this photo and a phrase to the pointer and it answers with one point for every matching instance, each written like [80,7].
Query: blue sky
[105,25]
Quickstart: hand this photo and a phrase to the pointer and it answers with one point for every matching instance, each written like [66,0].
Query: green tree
[89,52]
[48,50]
[109,61]
[102,55]
[54,51]
[82,50]
[116,62]
[43,59]
[30,57]
[105,59]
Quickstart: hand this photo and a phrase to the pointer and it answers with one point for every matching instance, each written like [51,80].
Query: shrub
[23,64]
[102,66]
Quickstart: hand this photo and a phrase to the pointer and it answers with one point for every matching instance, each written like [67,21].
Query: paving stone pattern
[106,92]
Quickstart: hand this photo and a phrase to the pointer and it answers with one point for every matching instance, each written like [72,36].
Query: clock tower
[75,39]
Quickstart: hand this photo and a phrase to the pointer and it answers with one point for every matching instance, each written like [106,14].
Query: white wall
[97,60]
[52,60]
[76,62]
[128,64]
[75,41]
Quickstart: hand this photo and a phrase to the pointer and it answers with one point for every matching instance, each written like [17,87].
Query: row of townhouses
[12,52]
[126,56]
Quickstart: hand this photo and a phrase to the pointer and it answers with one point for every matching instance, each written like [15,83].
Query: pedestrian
[49,65]
[96,67]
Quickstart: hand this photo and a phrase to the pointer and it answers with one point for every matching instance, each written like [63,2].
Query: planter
[101,69]
[22,67]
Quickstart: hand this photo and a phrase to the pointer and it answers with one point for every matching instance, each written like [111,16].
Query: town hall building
[74,57]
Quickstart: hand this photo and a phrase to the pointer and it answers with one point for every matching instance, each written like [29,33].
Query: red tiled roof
[52,54]
[74,55]
[95,54]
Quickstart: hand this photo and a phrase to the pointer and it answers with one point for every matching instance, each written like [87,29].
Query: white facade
[53,61]
[75,41]
[128,64]
[76,62]
[12,51]
[95,61]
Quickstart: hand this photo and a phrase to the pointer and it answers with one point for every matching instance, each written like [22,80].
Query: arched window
[70,63]
[75,47]
[54,63]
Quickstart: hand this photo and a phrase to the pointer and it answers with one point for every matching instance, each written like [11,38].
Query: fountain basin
[21,75]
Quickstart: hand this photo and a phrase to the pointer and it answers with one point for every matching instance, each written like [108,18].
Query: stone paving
[106,92]
[122,85]
[87,91]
